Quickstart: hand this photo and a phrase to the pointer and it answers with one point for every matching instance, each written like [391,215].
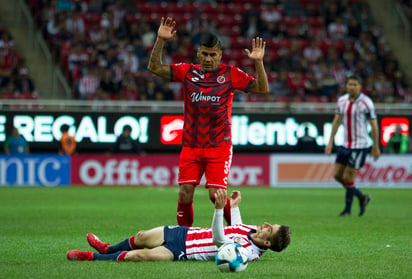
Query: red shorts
[214,162]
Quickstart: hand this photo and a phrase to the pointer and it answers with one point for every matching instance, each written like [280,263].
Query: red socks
[226,211]
[120,258]
[184,214]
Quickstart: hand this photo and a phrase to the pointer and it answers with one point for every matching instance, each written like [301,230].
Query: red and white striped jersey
[199,242]
[355,116]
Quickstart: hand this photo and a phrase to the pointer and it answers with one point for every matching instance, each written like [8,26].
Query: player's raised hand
[220,199]
[235,198]
[166,29]
[258,49]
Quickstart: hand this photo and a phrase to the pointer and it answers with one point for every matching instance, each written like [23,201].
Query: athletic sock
[350,192]
[125,245]
[184,214]
[226,211]
[118,256]
[358,192]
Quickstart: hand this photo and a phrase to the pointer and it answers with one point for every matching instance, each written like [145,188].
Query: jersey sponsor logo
[199,97]
[221,79]
[240,241]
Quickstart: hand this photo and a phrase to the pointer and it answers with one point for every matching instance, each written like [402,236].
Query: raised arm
[337,120]
[260,85]
[165,32]
[218,232]
[235,216]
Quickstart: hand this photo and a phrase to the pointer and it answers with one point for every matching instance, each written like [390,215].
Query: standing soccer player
[354,110]
[208,90]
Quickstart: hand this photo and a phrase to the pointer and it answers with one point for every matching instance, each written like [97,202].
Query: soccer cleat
[344,213]
[363,202]
[97,244]
[76,255]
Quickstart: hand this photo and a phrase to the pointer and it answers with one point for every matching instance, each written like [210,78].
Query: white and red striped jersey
[355,116]
[200,247]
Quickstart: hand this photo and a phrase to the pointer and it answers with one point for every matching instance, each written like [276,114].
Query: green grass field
[38,226]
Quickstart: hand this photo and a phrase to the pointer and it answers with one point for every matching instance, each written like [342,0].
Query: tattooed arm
[166,31]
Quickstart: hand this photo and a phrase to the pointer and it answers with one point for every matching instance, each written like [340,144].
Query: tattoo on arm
[155,61]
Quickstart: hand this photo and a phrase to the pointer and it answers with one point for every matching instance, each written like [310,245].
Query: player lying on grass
[174,243]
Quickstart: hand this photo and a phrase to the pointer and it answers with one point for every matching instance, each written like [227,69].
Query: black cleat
[363,202]
[344,214]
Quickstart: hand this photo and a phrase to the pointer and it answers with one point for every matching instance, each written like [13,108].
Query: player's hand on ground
[235,199]
[220,199]
[258,49]
[166,29]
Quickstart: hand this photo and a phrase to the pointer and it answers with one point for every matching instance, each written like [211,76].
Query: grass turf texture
[38,226]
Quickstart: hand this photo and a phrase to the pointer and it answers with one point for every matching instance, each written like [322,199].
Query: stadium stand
[312,46]
[15,81]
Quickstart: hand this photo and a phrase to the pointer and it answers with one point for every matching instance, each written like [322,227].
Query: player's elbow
[151,68]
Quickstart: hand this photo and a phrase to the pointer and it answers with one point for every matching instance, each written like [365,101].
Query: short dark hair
[354,77]
[64,128]
[210,40]
[127,128]
[281,239]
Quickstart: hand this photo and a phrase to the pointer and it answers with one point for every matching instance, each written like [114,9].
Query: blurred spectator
[303,29]
[67,142]
[399,85]
[307,143]
[297,83]
[312,86]
[280,87]
[88,84]
[125,144]
[130,60]
[312,52]
[398,142]
[75,22]
[16,143]
[107,89]
[293,8]
[383,89]
[339,73]
[271,13]
[128,88]
[251,24]
[24,85]
[337,29]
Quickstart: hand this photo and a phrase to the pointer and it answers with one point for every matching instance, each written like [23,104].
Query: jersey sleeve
[370,109]
[178,71]
[235,216]
[218,232]
[241,80]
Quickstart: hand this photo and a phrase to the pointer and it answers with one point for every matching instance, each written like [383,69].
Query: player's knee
[186,193]
[140,238]
[339,178]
